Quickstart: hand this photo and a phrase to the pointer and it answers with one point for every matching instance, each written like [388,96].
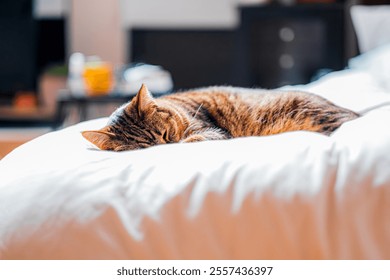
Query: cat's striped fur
[215,113]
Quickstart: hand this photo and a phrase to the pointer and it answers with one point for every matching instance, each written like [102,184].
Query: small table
[81,102]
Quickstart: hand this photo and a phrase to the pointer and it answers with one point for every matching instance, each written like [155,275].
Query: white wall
[179,13]
[50,8]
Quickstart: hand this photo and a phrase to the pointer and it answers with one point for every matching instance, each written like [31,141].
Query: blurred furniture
[28,46]
[44,113]
[74,108]
[81,106]
[280,45]
[194,57]
[273,45]
[17,125]
[17,48]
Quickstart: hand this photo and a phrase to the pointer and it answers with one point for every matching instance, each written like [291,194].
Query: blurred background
[66,61]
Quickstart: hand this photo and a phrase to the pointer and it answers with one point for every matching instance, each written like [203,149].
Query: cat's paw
[194,138]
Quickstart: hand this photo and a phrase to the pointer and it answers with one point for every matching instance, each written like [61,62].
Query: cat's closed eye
[165,136]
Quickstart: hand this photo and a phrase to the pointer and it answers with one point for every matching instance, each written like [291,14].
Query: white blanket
[296,195]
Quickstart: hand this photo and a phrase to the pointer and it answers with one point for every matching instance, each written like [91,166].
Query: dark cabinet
[273,45]
[279,45]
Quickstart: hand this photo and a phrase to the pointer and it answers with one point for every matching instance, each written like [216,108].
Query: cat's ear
[144,101]
[99,138]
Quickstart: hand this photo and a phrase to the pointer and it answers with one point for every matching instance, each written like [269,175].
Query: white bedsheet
[296,195]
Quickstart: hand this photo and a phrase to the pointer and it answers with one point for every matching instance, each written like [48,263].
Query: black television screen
[17,53]
[195,58]
[17,47]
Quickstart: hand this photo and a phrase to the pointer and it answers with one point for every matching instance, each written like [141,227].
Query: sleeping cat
[215,113]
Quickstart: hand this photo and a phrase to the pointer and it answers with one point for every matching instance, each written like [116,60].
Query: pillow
[377,63]
[371,25]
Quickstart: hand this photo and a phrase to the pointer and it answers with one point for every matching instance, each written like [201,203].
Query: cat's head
[141,123]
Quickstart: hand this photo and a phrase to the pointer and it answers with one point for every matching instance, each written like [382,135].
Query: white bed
[296,195]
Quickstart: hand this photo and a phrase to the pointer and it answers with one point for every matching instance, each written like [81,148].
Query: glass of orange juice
[98,77]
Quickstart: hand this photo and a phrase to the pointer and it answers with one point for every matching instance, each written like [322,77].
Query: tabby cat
[215,113]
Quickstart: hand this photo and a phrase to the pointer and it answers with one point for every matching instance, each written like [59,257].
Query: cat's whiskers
[197,111]
[193,125]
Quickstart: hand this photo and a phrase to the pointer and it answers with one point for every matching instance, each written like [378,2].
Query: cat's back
[236,110]
[245,112]
[221,95]
[209,98]
[237,97]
